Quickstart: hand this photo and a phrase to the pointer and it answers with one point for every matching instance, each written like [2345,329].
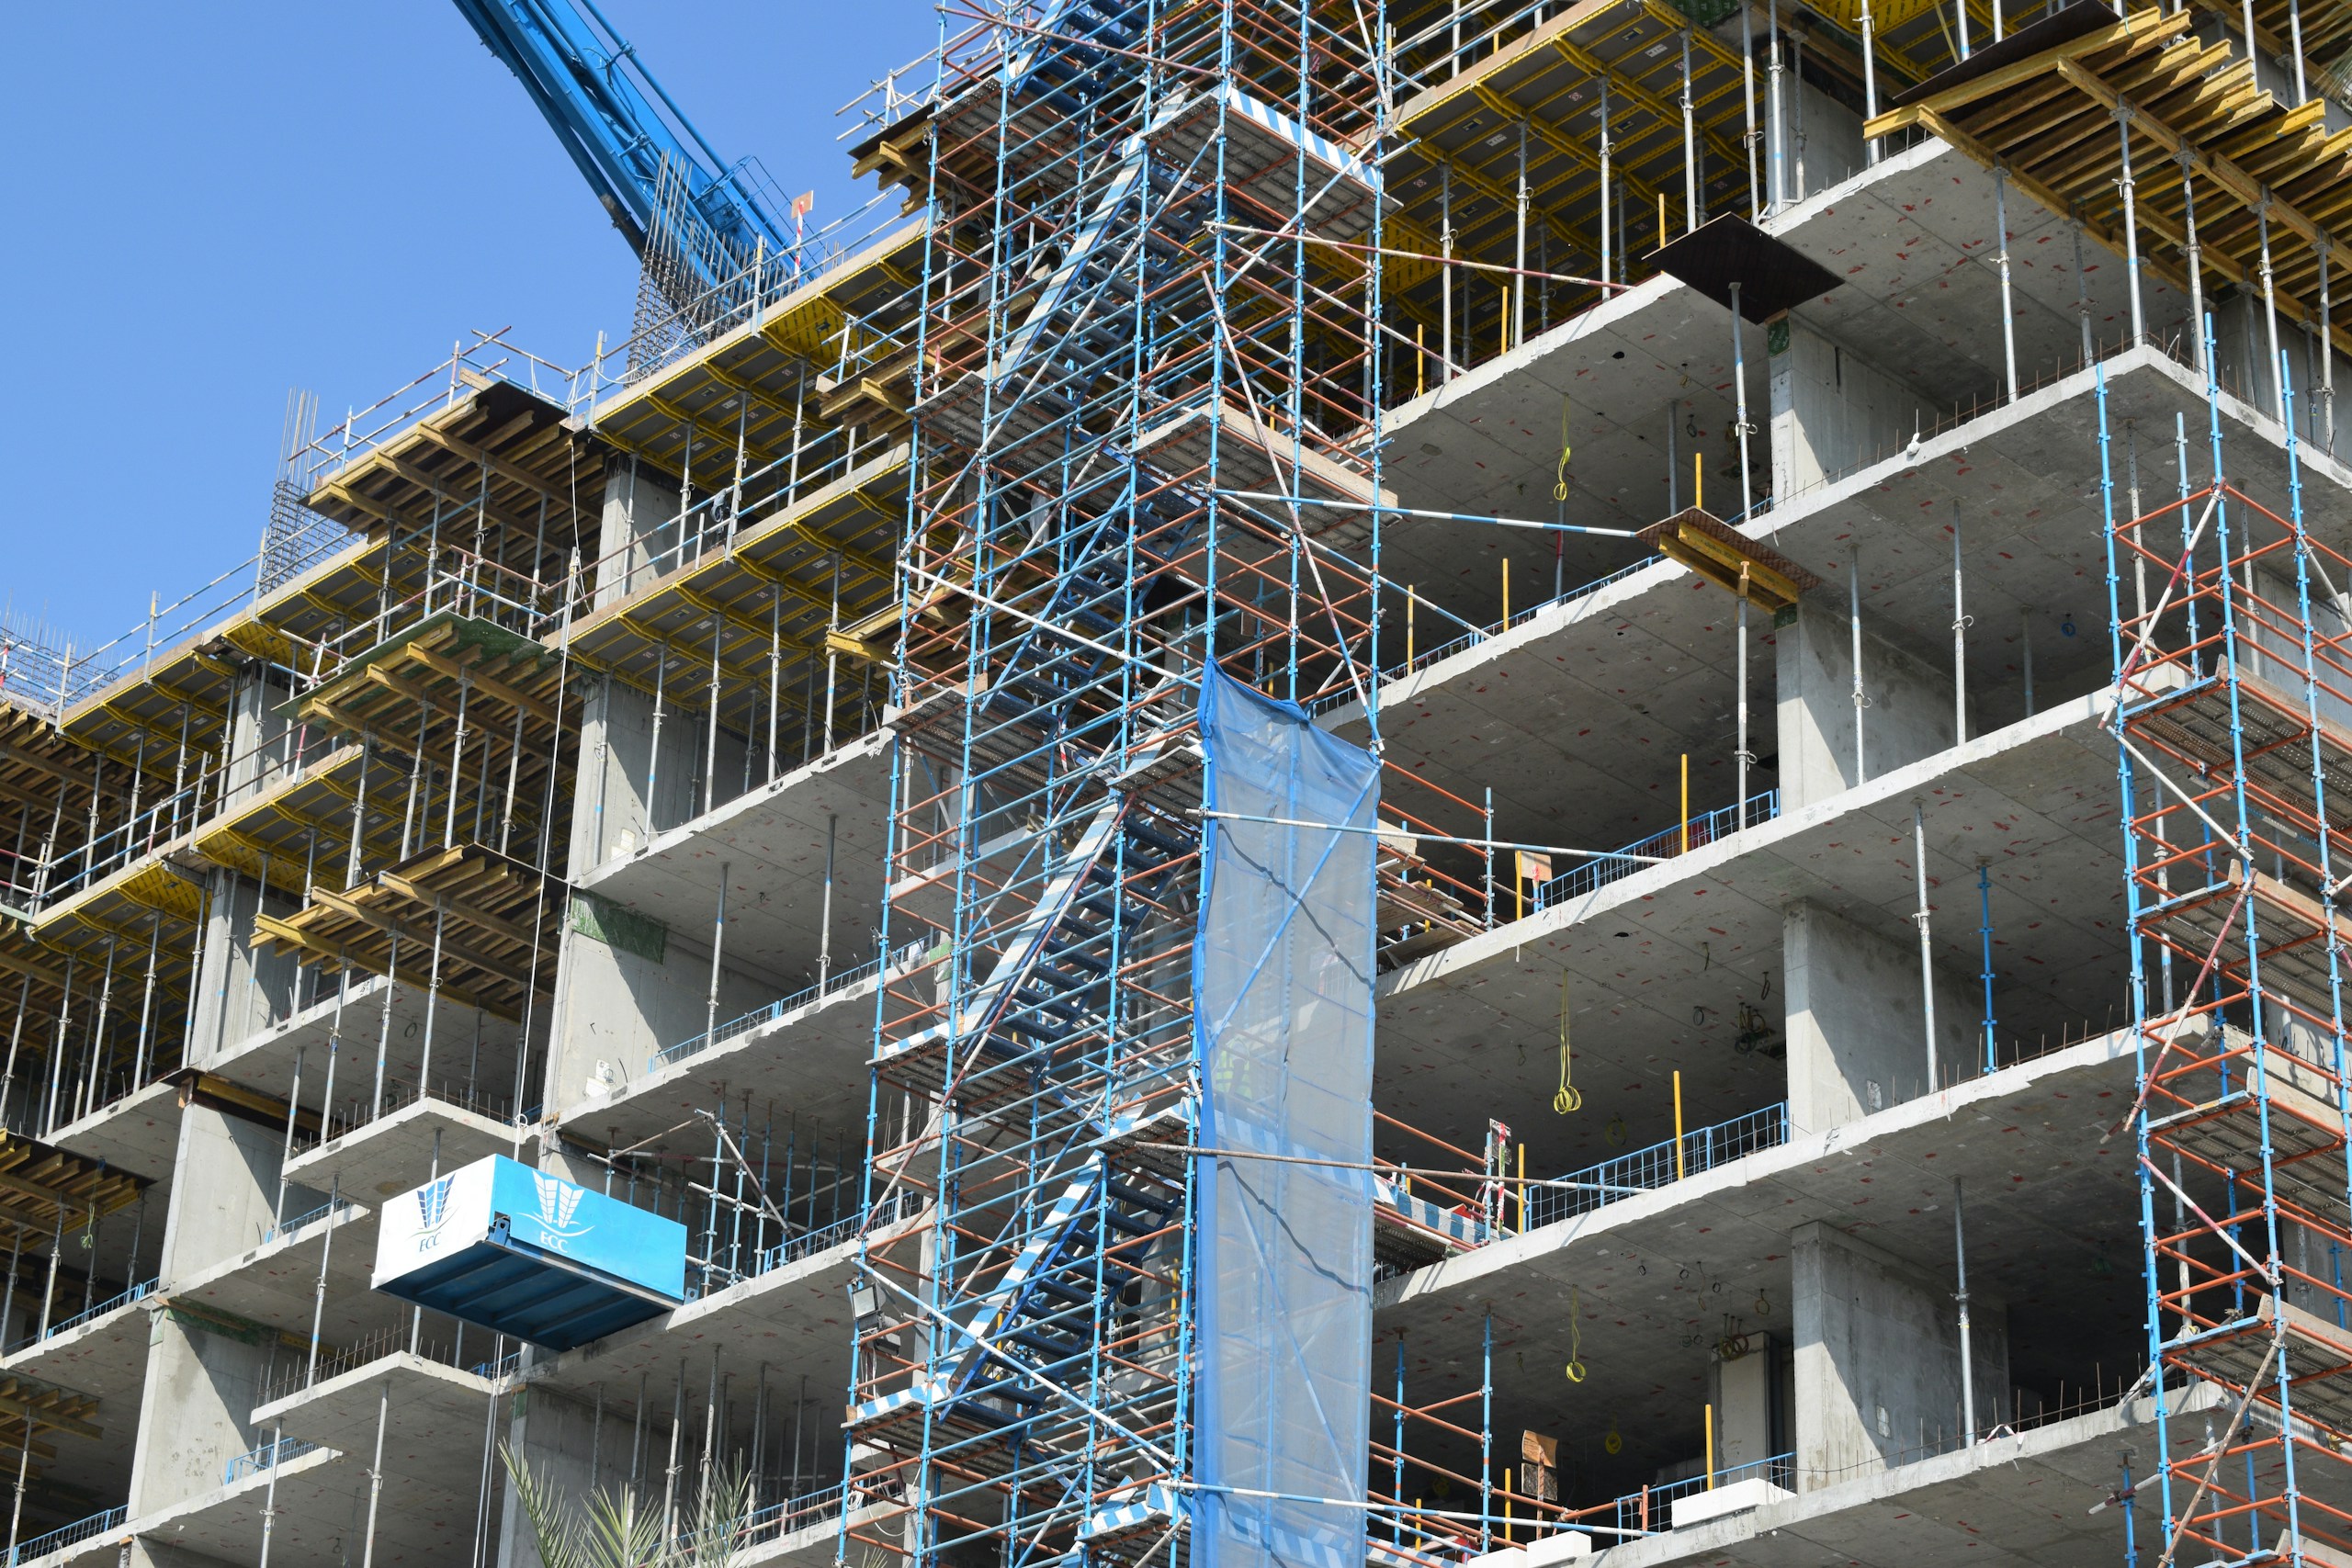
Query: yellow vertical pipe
[1522,1187]
[1661,220]
[1686,802]
[1678,1124]
[1410,598]
[1421,358]
[1711,1448]
[1506,593]
[1698,482]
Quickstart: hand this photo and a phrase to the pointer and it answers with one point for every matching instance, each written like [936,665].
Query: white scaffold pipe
[1434,517]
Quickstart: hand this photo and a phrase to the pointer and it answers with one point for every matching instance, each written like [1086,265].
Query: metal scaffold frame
[1131,334]
[2232,675]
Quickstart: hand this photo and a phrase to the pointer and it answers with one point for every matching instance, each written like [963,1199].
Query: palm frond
[719,1520]
[552,1524]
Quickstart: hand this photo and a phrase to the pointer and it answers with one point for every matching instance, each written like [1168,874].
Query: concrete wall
[202,1384]
[258,753]
[1831,410]
[624,798]
[1877,1346]
[242,992]
[1824,138]
[1857,1039]
[1908,714]
[1750,1394]
[573,1451]
[638,538]
[226,1191]
[619,1008]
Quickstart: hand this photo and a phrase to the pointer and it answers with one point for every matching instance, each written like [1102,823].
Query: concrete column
[256,722]
[620,1003]
[1831,410]
[240,992]
[203,1380]
[623,797]
[205,1376]
[1908,716]
[559,1438]
[636,544]
[1857,1038]
[1877,1346]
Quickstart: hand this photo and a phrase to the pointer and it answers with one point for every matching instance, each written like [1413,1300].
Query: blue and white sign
[526,1253]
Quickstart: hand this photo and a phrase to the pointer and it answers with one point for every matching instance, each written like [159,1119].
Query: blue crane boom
[624,133]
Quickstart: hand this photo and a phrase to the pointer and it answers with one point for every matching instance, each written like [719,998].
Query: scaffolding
[1150,358]
[2233,681]
[1088,411]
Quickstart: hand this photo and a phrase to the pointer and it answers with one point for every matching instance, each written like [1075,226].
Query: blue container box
[515,1250]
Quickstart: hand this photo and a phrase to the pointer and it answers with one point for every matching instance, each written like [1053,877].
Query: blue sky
[211,204]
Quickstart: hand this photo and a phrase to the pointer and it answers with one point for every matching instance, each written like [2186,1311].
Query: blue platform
[518,1251]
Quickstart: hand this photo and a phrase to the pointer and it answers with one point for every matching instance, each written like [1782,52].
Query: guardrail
[1650,1511]
[254,1462]
[67,1535]
[288,1227]
[1681,839]
[670,1055]
[88,1314]
[1659,1165]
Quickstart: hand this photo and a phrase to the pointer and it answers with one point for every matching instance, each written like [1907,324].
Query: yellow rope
[1569,1098]
[1560,483]
[1575,1339]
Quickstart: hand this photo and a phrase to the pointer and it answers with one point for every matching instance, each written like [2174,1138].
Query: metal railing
[64,1536]
[1659,1165]
[140,1291]
[1700,831]
[288,1227]
[364,1111]
[786,1514]
[254,1461]
[670,1055]
[379,1346]
[1650,1511]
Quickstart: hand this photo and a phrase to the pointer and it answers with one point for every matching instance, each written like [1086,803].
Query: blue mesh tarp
[1282,1006]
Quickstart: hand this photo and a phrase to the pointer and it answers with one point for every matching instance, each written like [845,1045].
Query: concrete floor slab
[321,1516]
[1656,965]
[397,1152]
[793,1321]
[277,1282]
[810,1062]
[105,1356]
[816,1545]
[423,1405]
[771,841]
[354,1021]
[1639,1289]
[1911,238]
[2025,1501]
[139,1132]
[1577,716]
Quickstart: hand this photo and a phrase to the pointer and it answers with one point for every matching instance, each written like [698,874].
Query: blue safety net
[1282,1008]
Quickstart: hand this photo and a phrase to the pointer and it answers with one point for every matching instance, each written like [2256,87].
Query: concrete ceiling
[2051,1236]
[1473,1030]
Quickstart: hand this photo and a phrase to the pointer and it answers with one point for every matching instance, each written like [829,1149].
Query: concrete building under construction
[1395,783]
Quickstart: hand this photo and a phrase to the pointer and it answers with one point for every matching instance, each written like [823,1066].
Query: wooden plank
[351,908]
[433,659]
